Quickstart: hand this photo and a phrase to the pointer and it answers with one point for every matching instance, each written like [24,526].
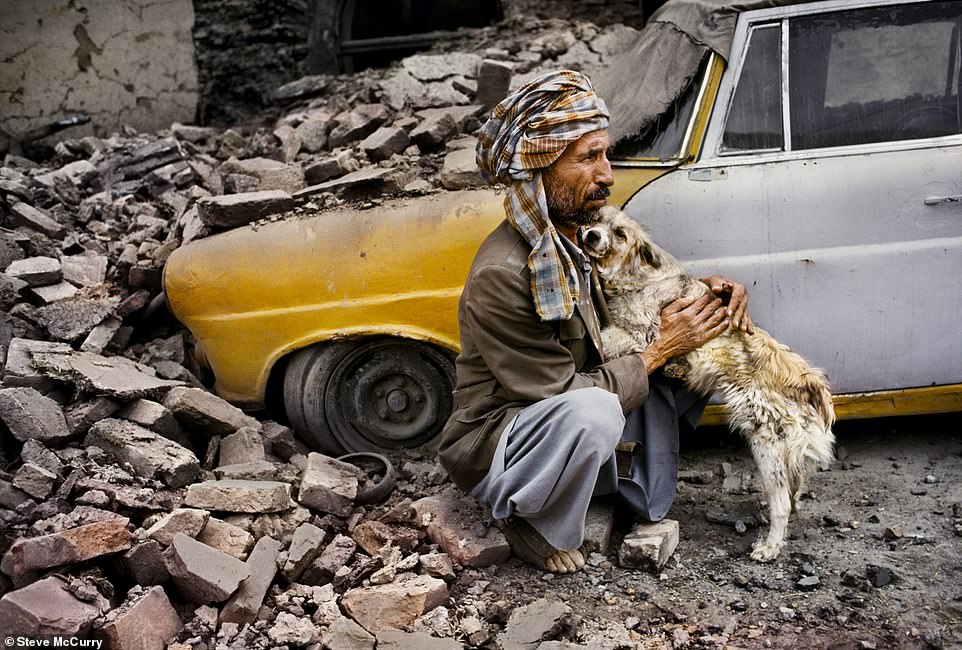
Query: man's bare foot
[565,561]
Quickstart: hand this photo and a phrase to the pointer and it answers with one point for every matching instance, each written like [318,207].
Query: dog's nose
[591,237]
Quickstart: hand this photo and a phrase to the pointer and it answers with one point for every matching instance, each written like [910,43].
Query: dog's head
[620,246]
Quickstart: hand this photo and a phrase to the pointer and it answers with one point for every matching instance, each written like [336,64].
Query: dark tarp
[644,81]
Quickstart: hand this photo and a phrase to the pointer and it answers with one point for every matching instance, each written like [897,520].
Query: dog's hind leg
[774,473]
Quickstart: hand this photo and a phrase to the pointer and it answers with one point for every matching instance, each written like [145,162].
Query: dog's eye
[619,233]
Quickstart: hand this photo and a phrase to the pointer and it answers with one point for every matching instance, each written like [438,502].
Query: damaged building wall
[128,62]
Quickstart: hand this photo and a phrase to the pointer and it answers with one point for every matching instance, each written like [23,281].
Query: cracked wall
[122,62]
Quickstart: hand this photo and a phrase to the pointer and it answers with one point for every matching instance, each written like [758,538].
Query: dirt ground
[874,558]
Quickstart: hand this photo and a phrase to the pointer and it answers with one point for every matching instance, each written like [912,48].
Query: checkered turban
[526,133]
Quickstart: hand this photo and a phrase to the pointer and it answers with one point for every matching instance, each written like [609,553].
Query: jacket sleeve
[524,353]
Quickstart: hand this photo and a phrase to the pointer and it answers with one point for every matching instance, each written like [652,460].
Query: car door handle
[938,200]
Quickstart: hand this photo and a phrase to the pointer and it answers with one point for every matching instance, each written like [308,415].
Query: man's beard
[565,209]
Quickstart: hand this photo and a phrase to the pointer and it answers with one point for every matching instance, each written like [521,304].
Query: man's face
[576,184]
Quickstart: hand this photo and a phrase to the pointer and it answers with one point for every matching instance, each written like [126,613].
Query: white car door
[830,183]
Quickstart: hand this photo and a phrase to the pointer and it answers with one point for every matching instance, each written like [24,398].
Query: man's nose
[605,176]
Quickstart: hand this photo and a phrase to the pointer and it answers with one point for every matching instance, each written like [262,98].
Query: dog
[777,402]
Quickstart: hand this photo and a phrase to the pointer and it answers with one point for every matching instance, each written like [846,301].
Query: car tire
[368,394]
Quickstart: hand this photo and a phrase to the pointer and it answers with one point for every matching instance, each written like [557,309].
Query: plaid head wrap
[526,133]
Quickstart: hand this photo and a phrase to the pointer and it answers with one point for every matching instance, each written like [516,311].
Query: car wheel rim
[389,394]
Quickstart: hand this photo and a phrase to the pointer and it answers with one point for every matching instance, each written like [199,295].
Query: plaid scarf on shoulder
[526,133]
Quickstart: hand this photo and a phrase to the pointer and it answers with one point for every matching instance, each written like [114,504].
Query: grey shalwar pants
[559,453]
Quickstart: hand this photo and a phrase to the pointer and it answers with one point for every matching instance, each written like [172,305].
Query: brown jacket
[510,358]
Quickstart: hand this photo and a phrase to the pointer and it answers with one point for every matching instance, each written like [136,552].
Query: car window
[755,116]
[861,76]
[874,75]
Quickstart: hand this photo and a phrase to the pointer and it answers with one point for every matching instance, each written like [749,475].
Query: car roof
[679,36]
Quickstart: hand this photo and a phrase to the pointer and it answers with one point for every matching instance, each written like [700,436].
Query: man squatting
[538,413]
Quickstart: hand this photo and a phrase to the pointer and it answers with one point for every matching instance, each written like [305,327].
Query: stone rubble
[228,531]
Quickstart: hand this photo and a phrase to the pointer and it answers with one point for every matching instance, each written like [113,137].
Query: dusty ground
[881,530]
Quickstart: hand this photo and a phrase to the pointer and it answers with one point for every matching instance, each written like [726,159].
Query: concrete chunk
[649,546]
[243,446]
[398,640]
[226,537]
[117,377]
[35,480]
[102,335]
[67,547]
[270,174]
[434,130]
[69,320]
[203,574]
[334,556]
[305,547]
[232,210]
[188,521]
[150,454]
[197,409]
[345,633]
[84,270]
[36,271]
[53,293]
[460,170]
[23,214]
[395,605]
[385,142]
[146,565]
[32,416]
[146,621]
[246,601]
[356,124]
[239,496]
[443,518]
[19,371]
[494,79]
[151,415]
[46,607]
[329,485]
[531,624]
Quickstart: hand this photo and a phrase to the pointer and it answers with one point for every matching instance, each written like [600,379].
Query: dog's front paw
[765,552]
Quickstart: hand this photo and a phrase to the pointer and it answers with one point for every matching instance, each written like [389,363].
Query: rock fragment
[243,605]
[395,605]
[32,416]
[29,216]
[145,621]
[206,413]
[443,518]
[148,453]
[73,545]
[328,485]
[239,496]
[203,574]
[232,210]
[649,546]
[46,607]
[36,271]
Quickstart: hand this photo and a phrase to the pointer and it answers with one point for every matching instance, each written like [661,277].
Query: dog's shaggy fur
[780,404]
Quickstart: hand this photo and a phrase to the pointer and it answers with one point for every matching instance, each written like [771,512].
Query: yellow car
[811,151]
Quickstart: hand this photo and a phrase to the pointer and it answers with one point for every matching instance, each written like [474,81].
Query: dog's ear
[643,255]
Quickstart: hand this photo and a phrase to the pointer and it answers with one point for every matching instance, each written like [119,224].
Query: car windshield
[664,137]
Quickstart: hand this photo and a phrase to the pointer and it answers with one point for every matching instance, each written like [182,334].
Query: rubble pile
[138,506]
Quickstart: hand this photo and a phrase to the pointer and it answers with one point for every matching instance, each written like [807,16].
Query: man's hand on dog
[735,296]
[686,325]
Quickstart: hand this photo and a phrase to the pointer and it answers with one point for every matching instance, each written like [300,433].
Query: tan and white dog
[780,404]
